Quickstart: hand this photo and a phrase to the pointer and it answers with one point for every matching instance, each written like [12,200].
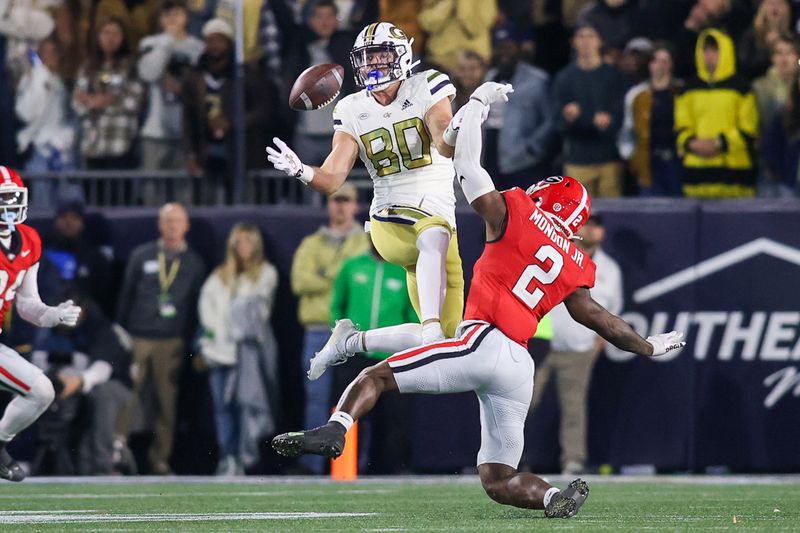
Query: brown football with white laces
[316,87]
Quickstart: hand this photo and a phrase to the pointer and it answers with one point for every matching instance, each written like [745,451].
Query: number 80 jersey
[24,251]
[529,270]
[395,145]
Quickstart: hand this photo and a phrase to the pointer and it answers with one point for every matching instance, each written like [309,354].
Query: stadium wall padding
[726,272]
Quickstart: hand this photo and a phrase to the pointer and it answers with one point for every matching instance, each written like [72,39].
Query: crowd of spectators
[614,92]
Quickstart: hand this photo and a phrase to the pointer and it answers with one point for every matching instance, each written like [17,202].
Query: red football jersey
[24,252]
[529,270]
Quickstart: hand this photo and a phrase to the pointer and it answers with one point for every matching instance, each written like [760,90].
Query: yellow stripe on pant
[394,233]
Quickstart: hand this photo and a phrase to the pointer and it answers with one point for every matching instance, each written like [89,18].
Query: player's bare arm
[585,310]
[330,176]
[437,118]
[492,208]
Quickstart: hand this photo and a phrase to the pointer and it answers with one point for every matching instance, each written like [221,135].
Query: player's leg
[395,234]
[357,400]
[434,369]
[453,306]
[33,394]
[504,404]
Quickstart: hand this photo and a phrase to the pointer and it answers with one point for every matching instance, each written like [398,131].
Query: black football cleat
[9,468]
[327,440]
[566,503]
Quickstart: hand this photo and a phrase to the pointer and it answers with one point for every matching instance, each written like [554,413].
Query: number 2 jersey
[395,145]
[24,251]
[529,270]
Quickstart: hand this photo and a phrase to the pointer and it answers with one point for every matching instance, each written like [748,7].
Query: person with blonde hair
[239,348]
[773,19]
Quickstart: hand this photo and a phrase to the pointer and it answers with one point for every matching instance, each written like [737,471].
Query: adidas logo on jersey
[406,104]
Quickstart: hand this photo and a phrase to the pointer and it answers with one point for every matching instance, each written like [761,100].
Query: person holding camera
[163,61]
[107,99]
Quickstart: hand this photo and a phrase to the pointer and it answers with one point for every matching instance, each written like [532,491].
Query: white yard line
[402,480]
[156,494]
[84,517]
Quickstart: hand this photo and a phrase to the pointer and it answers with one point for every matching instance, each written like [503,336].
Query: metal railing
[127,188]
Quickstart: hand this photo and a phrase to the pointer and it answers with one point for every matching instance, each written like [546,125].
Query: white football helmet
[381,56]
[13,198]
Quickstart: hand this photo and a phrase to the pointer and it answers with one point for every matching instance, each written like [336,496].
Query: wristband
[306,174]
[450,135]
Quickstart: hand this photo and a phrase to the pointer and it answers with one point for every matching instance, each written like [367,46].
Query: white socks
[552,491]
[431,273]
[391,339]
[343,418]
[23,410]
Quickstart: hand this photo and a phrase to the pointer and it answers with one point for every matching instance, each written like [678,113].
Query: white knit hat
[220,26]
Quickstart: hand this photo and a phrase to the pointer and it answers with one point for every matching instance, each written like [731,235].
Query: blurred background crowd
[637,97]
[134,102]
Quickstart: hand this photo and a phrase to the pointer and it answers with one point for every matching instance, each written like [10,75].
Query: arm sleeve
[540,139]
[155,54]
[476,16]
[742,138]
[435,14]
[98,372]
[205,305]
[77,106]
[269,287]
[684,123]
[29,303]
[615,301]
[306,276]
[474,180]
[133,271]
[627,135]
[32,95]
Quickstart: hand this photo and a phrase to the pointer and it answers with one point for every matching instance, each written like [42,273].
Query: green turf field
[394,504]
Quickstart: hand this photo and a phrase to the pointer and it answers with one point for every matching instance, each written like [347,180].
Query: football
[316,87]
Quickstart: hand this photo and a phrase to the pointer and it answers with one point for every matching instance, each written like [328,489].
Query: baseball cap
[347,191]
[511,32]
[218,25]
[640,44]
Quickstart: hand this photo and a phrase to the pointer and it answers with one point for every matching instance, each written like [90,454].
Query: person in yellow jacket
[457,25]
[716,121]
[315,267]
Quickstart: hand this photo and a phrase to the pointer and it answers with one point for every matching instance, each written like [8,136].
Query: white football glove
[450,134]
[65,314]
[666,342]
[491,92]
[287,161]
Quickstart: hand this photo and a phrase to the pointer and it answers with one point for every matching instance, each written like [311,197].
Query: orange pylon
[345,467]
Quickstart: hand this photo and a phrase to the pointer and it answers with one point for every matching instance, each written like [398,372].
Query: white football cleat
[335,350]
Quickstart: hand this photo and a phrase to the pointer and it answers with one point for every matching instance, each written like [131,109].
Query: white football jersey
[395,145]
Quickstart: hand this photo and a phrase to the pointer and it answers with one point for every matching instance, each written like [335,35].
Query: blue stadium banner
[728,274]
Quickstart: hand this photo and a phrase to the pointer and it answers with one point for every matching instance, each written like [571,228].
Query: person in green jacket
[373,294]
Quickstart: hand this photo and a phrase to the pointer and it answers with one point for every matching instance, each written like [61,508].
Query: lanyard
[166,279]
